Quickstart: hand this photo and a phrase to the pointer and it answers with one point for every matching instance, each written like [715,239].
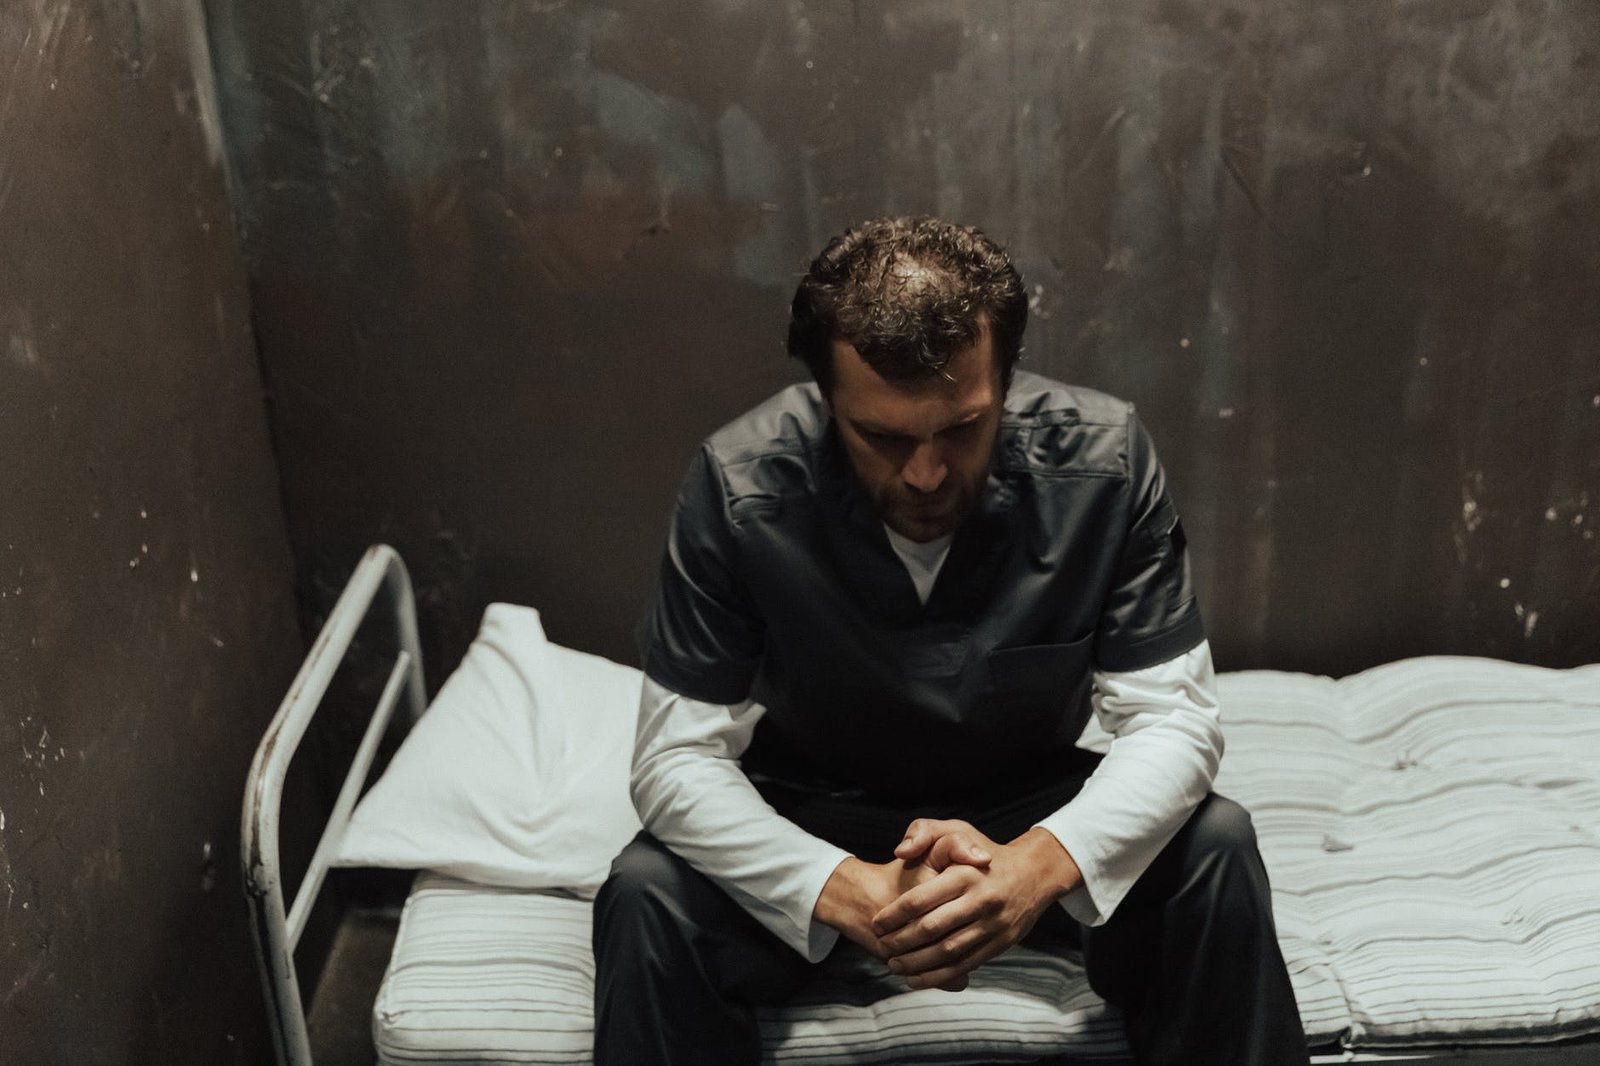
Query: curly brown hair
[908,293]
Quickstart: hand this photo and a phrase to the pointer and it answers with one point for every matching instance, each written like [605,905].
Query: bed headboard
[381,586]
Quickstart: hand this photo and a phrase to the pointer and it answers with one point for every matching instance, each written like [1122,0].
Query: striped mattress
[1432,829]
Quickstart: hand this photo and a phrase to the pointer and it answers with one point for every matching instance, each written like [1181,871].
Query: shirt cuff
[1084,903]
[821,937]
[788,907]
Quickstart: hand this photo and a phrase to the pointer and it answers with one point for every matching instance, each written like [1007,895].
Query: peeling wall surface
[511,260]
[147,626]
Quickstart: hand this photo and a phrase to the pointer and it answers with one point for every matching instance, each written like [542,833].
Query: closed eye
[886,439]
[960,430]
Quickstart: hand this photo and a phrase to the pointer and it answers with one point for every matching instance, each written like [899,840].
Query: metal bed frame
[381,579]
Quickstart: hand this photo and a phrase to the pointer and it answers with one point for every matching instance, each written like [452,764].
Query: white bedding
[1432,829]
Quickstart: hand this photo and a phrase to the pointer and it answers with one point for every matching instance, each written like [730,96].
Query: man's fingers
[958,847]
[946,952]
[916,842]
[916,902]
[923,833]
[945,976]
[937,924]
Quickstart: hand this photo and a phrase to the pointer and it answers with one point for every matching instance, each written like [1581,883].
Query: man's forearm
[692,796]
[1165,754]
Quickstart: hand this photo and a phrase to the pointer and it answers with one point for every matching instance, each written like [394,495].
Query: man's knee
[1222,827]
[658,919]
[655,894]
[644,874]
[1224,873]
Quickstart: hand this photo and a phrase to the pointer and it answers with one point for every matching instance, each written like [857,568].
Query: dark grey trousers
[1190,955]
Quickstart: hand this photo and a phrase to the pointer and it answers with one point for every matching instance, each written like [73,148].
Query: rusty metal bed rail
[379,582]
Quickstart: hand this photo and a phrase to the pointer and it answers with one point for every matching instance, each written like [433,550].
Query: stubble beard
[903,514]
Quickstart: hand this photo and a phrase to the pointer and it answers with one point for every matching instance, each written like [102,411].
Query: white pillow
[517,775]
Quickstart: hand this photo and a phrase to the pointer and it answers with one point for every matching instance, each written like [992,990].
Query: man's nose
[925,471]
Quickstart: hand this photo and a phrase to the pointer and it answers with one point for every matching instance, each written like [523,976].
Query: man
[889,601]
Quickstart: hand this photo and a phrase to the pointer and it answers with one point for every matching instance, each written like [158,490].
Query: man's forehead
[966,387]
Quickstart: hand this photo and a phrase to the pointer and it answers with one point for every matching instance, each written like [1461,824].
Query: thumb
[918,837]
[959,848]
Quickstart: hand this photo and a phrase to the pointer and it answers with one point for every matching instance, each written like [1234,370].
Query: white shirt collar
[922,560]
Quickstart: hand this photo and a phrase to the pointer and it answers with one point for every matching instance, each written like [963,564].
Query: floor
[340,1022]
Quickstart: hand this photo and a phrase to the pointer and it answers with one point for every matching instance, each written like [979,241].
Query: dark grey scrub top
[779,584]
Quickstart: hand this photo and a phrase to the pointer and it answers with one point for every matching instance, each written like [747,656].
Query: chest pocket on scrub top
[1041,668]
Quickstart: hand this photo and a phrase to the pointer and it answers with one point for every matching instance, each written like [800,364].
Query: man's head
[907,294]
[911,328]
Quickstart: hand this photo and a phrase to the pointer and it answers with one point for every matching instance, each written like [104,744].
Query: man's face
[921,450]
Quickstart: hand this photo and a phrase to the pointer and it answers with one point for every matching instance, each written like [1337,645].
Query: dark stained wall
[511,260]
[147,626]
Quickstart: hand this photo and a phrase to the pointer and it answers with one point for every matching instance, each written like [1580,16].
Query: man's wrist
[1054,866]
[839,893]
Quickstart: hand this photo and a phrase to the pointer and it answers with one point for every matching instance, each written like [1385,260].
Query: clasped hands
[951,900]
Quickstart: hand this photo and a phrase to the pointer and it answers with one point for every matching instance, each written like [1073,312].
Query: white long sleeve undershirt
[691,794]
[1159,728]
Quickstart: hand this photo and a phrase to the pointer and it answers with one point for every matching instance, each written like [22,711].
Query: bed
[1431,827]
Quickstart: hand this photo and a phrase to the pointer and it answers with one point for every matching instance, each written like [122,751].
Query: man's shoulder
[1034,399]
[1055,428]
[774,446]
[793,419]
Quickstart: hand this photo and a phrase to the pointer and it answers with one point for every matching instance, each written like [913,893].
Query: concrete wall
[510,260]
[147,626]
